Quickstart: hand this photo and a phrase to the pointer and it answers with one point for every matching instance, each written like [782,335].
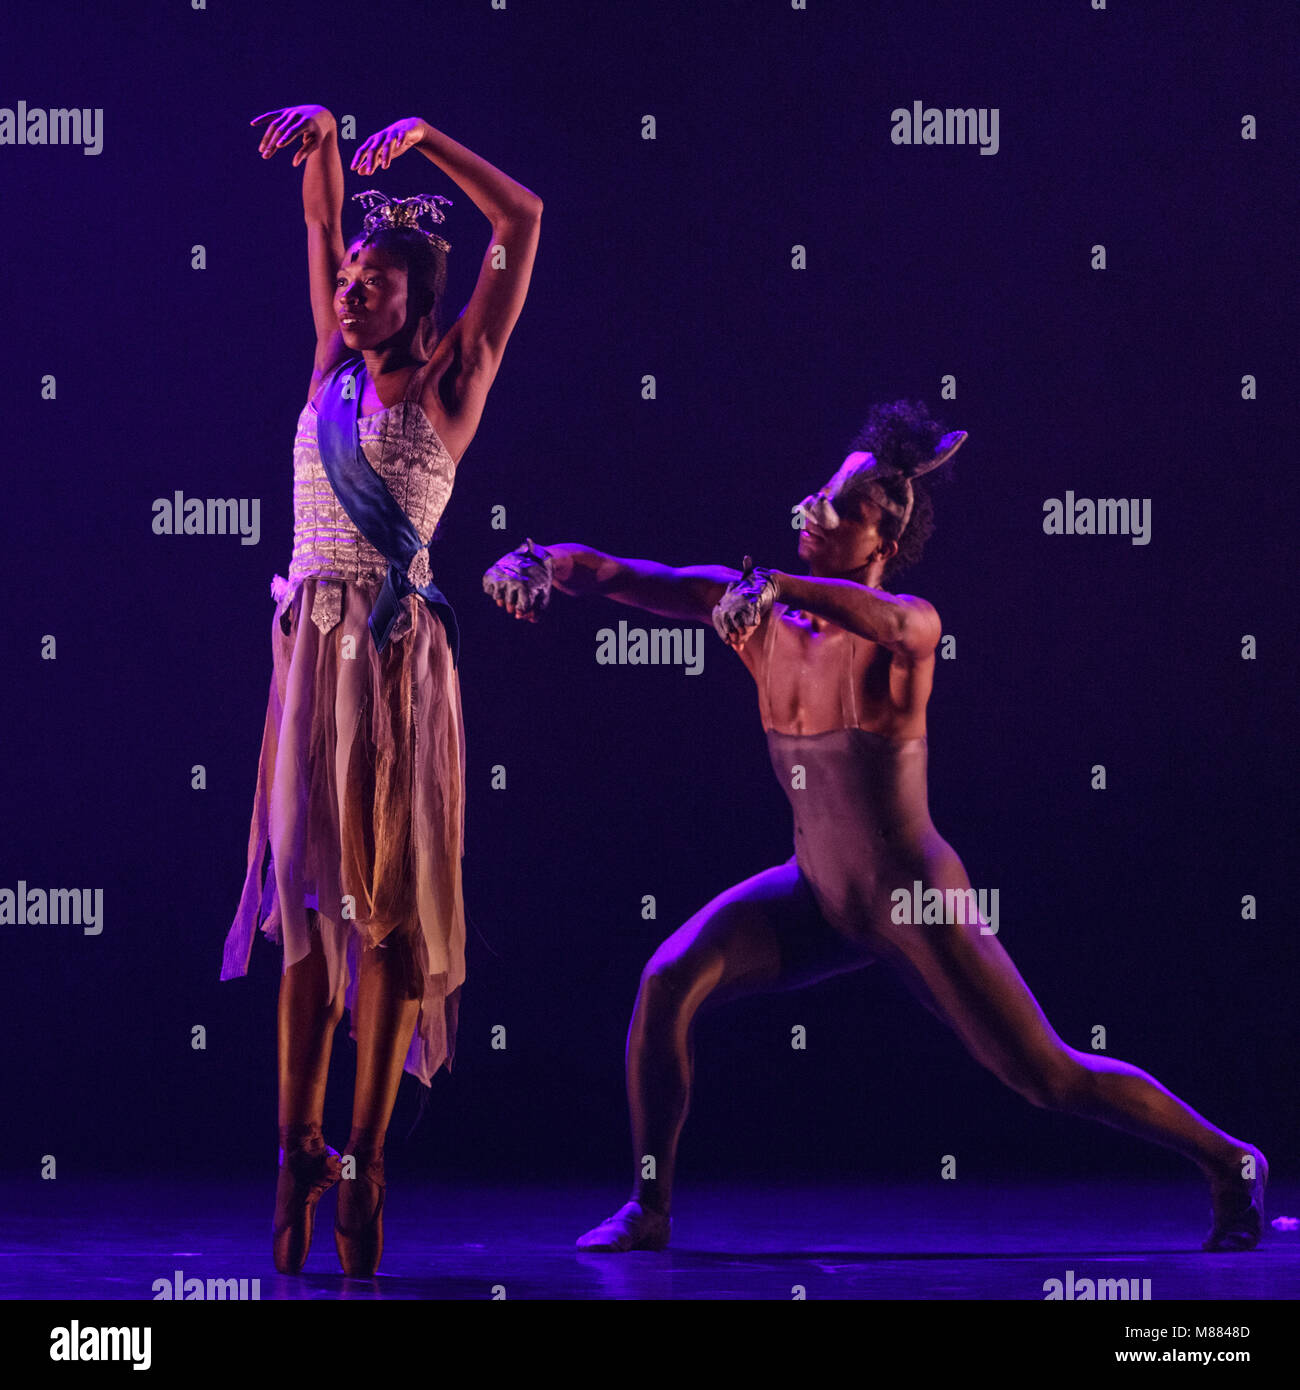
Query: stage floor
[70,1239]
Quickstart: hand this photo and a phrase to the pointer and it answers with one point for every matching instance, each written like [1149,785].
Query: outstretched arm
[688,593]
[903,624]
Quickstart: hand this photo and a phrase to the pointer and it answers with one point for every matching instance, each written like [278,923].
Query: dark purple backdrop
[671,257]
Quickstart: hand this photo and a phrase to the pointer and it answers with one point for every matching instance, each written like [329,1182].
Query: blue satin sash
[373,509]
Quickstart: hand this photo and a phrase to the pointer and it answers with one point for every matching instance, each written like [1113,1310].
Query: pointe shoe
[1238,1215]
[308,1169]
[631,1227]
[359,1220]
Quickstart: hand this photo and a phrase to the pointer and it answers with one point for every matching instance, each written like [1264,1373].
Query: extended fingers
[378,151]
[267,142]
[370,153]
[279,131]
[382,155]
[271,135]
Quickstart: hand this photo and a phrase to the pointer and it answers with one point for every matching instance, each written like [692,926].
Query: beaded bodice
[404,449]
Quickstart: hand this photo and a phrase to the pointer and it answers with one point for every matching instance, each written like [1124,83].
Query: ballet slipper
[631,1227]
[308,1169]
[1238,1215]
[359,1220]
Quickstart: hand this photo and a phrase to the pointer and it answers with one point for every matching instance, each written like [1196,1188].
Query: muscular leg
[971,982]
[765,934]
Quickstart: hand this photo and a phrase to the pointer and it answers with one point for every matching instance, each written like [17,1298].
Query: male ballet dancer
[844,670]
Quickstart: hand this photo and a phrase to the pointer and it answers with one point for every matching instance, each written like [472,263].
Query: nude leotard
[861,814]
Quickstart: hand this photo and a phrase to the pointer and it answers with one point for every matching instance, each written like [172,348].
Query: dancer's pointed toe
[308,1169]
[359,1219]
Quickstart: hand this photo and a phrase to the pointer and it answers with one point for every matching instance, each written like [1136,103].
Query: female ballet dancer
[844,670]
[360,790]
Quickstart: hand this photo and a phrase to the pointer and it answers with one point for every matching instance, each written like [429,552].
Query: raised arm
[322,208]
[515,213]
[907,626]
[479,335]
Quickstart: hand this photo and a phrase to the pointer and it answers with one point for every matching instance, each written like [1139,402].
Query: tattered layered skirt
[359,809]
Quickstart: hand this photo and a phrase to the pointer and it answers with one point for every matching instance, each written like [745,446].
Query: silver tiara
[384,211]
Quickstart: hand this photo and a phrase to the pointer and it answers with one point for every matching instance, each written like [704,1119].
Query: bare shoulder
[919,606]
[923,625]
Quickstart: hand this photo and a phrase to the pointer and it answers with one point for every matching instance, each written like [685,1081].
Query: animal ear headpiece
[862,475]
